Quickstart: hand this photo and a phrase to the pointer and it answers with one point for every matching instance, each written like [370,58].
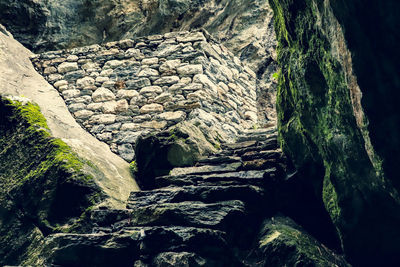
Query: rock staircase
[205,215]
[220,212]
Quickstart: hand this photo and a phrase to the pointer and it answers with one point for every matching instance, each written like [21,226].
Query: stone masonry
[120,90]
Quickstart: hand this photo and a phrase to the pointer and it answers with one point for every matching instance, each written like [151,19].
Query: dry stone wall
[123,89]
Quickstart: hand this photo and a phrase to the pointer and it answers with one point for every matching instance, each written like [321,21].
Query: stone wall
[123,89]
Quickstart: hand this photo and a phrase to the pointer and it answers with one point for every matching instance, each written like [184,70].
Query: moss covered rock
[324,123]
[44,186]
[282,242]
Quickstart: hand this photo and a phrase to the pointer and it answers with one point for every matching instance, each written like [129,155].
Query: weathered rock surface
[169,79]
[283,243]
[213,223]
[338,115]
[18,77]
[43,184]
[244,26]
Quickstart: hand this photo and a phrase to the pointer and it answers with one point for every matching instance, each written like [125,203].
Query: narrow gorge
[199,133]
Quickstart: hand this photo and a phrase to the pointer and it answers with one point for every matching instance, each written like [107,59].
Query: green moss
[286,244]
[318,129]
[133,167]
[330,198]
[44,185]
[30,112]
[217,146]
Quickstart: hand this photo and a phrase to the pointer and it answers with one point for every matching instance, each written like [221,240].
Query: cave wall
[337,115]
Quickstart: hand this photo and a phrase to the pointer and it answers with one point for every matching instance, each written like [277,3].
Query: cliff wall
[337,115]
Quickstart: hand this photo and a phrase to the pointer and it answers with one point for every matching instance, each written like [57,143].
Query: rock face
[338,116]
[44,186]
[18,77]
[244,26]
[125,89]
[206,215]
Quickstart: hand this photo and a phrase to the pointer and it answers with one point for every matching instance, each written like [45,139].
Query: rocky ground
[205,201]
[220,212]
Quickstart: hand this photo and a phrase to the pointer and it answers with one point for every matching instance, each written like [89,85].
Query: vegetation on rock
[44,186]
[323,128]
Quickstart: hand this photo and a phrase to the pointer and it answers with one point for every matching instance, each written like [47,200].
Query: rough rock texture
[19,78]
[284,243]
[244,26]
[207,215]
[338,116]
[124,89]
[44,186]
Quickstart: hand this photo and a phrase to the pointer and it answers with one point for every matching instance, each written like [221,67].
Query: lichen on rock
[44,186]
[323,129]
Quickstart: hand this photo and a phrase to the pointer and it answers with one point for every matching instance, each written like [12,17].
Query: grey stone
[60,83]
[151,90]
[207,169]
[148,72]
[137,84]
[84,82]
[126,137]
[83,114]
[169,67]
[163,98]
[112,127]
[50,70]
[103,94]
[102,119]
[71,93]
[193,87]
[67,67]
[151,108]
[127,94]
[167,80]
[191,37]
[126,152]
[76,107]
[109,107]
[95,106]
[74,75]
[112,64]
[176,116]
[150,61]
[190,70]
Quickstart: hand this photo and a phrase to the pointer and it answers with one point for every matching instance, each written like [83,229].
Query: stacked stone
[123,89]
[220,212]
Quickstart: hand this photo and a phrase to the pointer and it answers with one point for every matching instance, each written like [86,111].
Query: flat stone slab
[206,194]
[231,178]
[221,215]
[207,169]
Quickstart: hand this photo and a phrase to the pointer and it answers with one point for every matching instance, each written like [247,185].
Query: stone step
[261,164]
[224,215]
[260,131]
[255,137]
[249,194]
[263,154]
[237,150]
[214,160]
[138,244]
[206,169]
[239,145]
[258,178]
